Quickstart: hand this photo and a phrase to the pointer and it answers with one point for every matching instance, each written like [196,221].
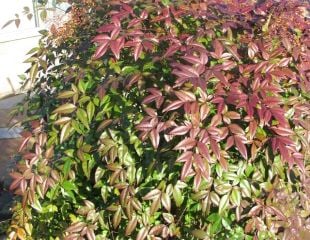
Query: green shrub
[163,120]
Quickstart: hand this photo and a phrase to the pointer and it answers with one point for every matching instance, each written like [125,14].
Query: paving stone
[8,133]
[6,120]
[10,102]
[8,148]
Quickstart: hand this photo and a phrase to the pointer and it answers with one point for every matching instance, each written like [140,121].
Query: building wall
[16,42]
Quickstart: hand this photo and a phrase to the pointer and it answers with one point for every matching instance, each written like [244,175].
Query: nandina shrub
[163,120]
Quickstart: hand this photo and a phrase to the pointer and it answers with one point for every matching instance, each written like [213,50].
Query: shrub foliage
[168,120]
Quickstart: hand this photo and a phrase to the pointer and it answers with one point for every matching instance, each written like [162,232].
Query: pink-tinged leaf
[180,130]
[187,143]
[241,147]
[255,211]
[275,211]
[24,144]
[186,156]
[185,74]
[216,120]
[230,142]
[137,51]
[197,181]
[220,76]
[218,48]
[106,28]
[284,132]
[287,44]
[133,79]
[15,184]
[203,150]
[115,32]
[76,227]
[152,194]
[144,126]
[185,96]
[149,99]
[284,62]
[252,128]
[172,49]
[154,136]
[186,170]
[203,166]
[235,129]
[215,148]
[151,112]
[102,38]
[116,46]
[101,50]
[204,111]
[127,8]
[252,50]
[90,234]
[142,233]
[223,162]
[232,115]
[192,59]
[174,105]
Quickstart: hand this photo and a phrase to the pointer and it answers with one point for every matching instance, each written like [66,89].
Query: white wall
[16,42]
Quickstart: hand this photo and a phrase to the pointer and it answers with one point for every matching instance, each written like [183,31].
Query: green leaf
[65,108]
[177,196]
[69,186]
[33,71]
[90,111]
[266,25]
[200,234]
[66,94]
[37,206]
[224,203]
[245,188]
[43,15]
[82,116]
[235,197]
[66,131]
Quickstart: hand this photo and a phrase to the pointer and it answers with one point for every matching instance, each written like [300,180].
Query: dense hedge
[168,120]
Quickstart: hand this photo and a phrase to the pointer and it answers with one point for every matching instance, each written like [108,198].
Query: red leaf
[180,130]
[240,146]
[187,143]
[204,111]
[223,163]
[116,46]
[215,148]
[185,96]
[101,50]
[218,48]
[186,156]
[285,132]
[230,142]
[192,59]
[172,49]
[144,126]
[252,128]
[216,120]
[137,51]
[203,150]
[235,129]
[174,105]
[202,166]
[187,169]
[154,136]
